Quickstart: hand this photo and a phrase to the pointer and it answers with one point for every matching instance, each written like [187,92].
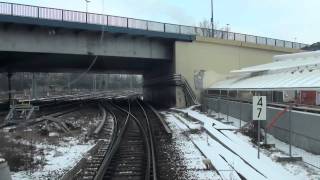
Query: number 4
[260,102]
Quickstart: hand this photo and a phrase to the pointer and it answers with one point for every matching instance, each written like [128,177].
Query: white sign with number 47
[259,108]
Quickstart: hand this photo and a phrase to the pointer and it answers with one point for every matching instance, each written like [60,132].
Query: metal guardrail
[177,80]
[130,23]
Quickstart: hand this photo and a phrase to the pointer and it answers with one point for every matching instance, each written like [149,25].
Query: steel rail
[114,144]
[163,123]
[103,121]
[147,174]
[151,138]
[74,172]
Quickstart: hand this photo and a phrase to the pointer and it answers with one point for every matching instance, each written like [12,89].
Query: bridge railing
[13,9]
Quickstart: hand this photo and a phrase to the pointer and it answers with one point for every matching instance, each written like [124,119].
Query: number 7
[259,113]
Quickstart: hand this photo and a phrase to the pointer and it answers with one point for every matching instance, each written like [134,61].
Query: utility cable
[93,62]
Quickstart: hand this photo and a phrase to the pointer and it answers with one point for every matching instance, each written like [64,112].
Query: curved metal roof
[295,71]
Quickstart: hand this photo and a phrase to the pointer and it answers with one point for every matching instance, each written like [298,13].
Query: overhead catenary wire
[94,60]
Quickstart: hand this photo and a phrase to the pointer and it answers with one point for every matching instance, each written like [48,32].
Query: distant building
[292,78]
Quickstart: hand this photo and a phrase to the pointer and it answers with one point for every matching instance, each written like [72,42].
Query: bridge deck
[34,15]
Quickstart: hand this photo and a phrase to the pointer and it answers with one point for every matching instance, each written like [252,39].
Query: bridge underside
[46,62]
[60,63]
[29,46]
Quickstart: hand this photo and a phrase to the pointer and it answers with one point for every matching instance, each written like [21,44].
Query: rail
[102,122]
[114,144]
[145,132]
[118,139]
[163,123]
[21,10]
[151,139]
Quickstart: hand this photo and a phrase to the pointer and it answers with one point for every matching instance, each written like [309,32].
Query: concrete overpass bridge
[40,39]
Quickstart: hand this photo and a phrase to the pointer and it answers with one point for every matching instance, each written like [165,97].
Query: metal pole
[69,85]
[9,88]
[290,132]
[228,101]
[265,135]
[228,31]
[240,103]
[95,83]
[34,86]
[228,111]
[107,82]
[258,139]
[87,2]
[219,108]
[131,81]
[240,113]
[212,25]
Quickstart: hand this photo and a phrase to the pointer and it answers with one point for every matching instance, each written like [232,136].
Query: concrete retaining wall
[305,126]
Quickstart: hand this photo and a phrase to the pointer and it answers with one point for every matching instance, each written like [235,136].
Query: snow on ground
[308,157]
[59,159]
[299,169]
[193,157]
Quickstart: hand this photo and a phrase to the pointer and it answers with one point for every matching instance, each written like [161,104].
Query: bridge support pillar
[157,89]
[160,95]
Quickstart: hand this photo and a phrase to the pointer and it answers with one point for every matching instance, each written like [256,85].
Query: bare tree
[205,27]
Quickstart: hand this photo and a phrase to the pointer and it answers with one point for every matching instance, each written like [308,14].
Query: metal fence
[240,112]
[108,20]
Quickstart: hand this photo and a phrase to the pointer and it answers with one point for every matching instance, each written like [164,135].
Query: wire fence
[12,9]
[304,144]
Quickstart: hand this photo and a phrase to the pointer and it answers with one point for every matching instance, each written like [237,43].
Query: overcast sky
[282,19]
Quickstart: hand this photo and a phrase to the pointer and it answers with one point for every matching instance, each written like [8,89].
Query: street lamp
[212,30]
[228,27]
[87,2]
[227,31]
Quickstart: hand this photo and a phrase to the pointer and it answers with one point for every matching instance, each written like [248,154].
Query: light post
[87,2]
[227,31]
[212,25]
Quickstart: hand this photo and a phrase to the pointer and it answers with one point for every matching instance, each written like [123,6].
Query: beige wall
[219,57]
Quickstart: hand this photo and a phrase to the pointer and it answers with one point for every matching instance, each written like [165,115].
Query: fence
[21,10]
[305,133]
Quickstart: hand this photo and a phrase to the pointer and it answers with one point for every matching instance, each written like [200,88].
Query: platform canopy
[299,71]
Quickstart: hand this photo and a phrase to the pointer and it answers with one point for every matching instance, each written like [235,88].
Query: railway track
[169,162]
[130,155]
[130,159]
[107,133]
[128,146]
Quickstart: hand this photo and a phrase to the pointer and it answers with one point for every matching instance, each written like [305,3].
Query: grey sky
[282,19]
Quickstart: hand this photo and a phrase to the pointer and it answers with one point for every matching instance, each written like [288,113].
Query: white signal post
[259,113]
